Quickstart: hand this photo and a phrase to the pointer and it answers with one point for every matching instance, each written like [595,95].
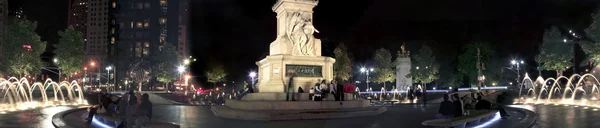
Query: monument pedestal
[295,52]
[308,71]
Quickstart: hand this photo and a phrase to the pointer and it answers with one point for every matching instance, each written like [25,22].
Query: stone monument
[402,69]
[294,49]
[297,50]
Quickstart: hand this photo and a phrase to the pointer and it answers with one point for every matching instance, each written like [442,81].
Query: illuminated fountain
[562,90]
[19,94]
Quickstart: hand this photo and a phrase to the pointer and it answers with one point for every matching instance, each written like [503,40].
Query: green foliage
[593,31]
[555,54]
[427,67]
[15,58]
[342,68]
[216,74]
[165,64]
[592,49]
[69,51]
[467,61]
[384,71]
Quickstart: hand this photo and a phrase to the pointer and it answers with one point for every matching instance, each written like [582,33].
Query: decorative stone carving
[300,32]
[403,53]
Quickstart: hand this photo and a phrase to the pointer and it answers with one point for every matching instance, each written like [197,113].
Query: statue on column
[300,32]
[403,53]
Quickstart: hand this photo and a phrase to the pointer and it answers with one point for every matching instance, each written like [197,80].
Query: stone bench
[461,122]
[112,120]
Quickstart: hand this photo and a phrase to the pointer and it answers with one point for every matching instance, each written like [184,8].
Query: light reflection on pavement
[32,118]
[561,116]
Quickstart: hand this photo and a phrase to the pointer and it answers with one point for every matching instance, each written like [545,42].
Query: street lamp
[367,71]
[55,60]
[252,75]
[108,75]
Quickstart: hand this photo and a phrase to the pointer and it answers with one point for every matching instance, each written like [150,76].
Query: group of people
[132,111]
[455,106]
[322,89]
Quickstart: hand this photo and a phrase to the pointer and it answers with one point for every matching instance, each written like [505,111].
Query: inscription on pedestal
[305,70]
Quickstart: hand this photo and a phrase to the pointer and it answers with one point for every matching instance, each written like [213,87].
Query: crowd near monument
[295,50]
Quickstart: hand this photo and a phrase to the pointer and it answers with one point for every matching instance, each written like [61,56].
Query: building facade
[182,44]
[77,16]
[97,34]
[143,27]
[3,20]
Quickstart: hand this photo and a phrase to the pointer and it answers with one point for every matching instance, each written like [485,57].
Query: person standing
[132,111]
[333,90]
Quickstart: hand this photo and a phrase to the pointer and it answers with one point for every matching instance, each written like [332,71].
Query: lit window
[163,2]
[162,39]
[112,40]
[146,25]
[139,24]
[147,5]
[146,44]
[132,24]
[114,4]
[162,20]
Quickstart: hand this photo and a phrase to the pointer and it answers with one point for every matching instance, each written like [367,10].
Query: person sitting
[446,109]
[144,112]
[458,105]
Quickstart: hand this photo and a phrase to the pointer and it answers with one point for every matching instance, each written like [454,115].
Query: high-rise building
[77,16]
[143,27]
[97,34]
[182,49]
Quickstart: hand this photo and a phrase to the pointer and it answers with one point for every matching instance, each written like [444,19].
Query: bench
[112,120]
[389,101]
[461,122]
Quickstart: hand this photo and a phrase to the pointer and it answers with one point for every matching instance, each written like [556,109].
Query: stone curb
[57,119]
[530,117]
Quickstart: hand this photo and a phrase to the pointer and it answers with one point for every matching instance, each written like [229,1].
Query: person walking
[144,112]
[333,90]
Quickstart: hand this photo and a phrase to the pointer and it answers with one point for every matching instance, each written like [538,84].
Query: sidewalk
[400,115]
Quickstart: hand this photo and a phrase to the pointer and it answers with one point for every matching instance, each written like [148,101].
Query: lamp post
[181,69]
[55,60]
[518,67]
[108,75]
[92,64]
[252,75]
[367,71]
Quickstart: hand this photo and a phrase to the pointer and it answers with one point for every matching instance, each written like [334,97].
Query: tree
[384,71]
[342,68]
[69,51]
[165,63]
[467,61]
[424,68]
[592,48]
[216,74]
[22,48]
[554,54]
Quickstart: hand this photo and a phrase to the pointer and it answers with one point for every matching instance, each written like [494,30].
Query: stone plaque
[305,70]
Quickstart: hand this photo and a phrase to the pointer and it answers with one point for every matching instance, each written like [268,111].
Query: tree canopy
[216,74]
[592,48]
[555,54]
[69,51]
[165,63]
[384,71]
[424,68]
[342,68]
[22,48]
[467,61]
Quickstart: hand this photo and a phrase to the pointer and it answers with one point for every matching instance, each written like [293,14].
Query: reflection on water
[32,118]
[560,116]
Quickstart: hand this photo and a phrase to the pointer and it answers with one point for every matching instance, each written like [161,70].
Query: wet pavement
[561,116]
[32,118]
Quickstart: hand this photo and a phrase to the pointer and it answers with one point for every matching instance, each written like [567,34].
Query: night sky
[237,33]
